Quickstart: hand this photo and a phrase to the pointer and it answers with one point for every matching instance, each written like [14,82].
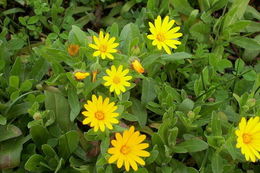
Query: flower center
[73,48]
[103,48]
[125,149]
[160,37]
[99,115]
[116,80]
[246,138]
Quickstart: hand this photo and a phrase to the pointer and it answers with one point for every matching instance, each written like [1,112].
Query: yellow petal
[112,159]
[96,53]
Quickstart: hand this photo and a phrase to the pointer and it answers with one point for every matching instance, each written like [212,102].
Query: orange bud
[73,49]
[94,75]
[137,66]
[81,75]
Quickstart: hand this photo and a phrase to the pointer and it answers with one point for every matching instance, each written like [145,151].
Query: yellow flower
[117,79]
[128,148]
[162,34]
[73,49]
[137,66]
[100,113]
[104,46]
[248,138]
[81,75]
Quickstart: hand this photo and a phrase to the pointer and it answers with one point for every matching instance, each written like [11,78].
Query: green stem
[18,98]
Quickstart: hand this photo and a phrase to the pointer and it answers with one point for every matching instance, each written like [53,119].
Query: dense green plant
[188,103]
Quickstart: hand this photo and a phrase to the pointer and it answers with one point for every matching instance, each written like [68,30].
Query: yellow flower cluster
[101,113]
[128,147]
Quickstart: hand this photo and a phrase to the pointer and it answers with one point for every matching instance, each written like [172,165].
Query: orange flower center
[103,48]
[116,80]
[246,138]
[125,149]
[99,115]
[160,37]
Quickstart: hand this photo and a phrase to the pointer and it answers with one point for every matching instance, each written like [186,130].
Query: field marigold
[100,113]
[162,34]
[248,138]
[137,66]
[73,49]
[81,75]
[128,148]
[104,46]
[117,79]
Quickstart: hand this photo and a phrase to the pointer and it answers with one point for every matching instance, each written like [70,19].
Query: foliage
[188,103]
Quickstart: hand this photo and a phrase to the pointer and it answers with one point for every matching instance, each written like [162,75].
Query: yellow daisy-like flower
[100,114]
[104,46]
[117,79]
[137,66]
[81,75]
[248,138]
[128,148]
[162,34]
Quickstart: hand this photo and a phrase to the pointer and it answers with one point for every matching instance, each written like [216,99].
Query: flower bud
[73,49]
[81,75]
[37,116]
[137,66]
[250,102]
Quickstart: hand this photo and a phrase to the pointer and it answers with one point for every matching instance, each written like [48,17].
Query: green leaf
[10,152]
[14,82]
[182,6]
[114,30]
[48,151]
[223,64]
[16,44]
[129,33]
[186,105]
[176,56]
[236,12]
[104,145]
[216,124]
[2,64]
[239,65]
[33,20]
[33,164]
[2,120]
[154,154]
[246,43]
[9,132]
[74,103]
[15,95]
[59,166]
[127,6]
[139,111]
[26,85]
[238,26]
[148,90]
[76,35]
[141,170]
[193,145]
[56,102]
[250,76]
[217,163]
[39,69]
[68,144]
[40,134]
[200,31]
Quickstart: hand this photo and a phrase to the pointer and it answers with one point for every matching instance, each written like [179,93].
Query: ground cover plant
[164,86]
